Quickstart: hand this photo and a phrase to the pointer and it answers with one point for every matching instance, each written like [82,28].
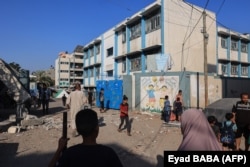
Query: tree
[43,78]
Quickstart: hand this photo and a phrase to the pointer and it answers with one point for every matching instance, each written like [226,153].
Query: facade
[69,68]
[160,49]
[161,38]
[233,53]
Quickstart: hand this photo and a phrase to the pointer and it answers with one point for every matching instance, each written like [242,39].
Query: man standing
[90,97]
[241,112]
[75,101]
[64,98]
[45,97]
[101,99]
[180,96]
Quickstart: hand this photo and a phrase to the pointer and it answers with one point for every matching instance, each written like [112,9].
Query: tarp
[220,108]
[60,94]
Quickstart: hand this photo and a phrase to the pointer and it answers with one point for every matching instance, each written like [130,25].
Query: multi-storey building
[233,53]
[69,68]
[161,49]
[165,36]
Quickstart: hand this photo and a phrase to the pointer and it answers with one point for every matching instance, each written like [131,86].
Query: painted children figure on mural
[151,96]
[163,91]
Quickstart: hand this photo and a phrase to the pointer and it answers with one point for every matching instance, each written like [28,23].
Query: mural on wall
[154,89]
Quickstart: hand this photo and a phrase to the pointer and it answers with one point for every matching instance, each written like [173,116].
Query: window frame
[133,63]
[224,43]
[110,52]
[223,68]
[97,49]
[135,30]
[234,69]
[153,23]
[97,71]
[124,66]
[244,45]
[234,45]
[244,70]
[124,38]
[110,72]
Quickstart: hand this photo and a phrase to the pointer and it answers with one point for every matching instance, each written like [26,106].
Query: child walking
[228,133]
[167,109]
[124,115]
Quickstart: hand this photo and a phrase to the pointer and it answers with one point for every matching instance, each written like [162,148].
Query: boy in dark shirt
[178,109]
[88,153]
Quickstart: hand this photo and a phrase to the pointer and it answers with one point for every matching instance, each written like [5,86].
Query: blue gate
[113,92]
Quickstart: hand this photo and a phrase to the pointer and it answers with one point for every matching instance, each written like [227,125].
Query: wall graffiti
[154,89]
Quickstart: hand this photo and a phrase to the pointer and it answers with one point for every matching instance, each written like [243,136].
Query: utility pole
[205,41]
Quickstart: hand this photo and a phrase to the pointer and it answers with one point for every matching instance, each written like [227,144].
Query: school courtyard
[36,144]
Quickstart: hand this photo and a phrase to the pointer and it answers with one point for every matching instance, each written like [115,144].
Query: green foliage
[42,77]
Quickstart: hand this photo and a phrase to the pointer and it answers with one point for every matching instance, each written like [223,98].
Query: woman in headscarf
[197,133]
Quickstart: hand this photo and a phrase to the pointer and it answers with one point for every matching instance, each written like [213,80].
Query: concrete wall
[183,39]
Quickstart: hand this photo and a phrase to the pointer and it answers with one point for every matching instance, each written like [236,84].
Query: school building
[160,49]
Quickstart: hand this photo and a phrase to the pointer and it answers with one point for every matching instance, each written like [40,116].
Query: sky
[33,32]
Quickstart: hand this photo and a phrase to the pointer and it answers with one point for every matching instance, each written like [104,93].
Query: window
[86,74]
[91,72]
[244,70]
[97,71]
[135,31]
[110,52]
[91,52]
[62,62]
[124,65]
[223,42]
[234,69]
[97,49]
[123,36]
[234,45]
[153,23]
[136,64]
[244,47]
[64,71]
[223,68]
[110,73]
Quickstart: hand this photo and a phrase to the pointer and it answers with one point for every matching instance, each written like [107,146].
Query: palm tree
[41,77]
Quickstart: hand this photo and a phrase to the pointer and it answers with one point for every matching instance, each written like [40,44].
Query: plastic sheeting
[113,93]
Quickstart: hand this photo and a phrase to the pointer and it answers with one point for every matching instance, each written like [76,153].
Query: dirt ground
[34,146]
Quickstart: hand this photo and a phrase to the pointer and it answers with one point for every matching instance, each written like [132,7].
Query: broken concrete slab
[31,122]
[12,129]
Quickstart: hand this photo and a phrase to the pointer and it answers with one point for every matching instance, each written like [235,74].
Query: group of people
[44,94]
[85,122]
[177,108]
[205,134]
[200,133]
[77,100]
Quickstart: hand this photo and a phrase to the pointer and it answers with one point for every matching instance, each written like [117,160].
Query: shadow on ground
[11,158]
